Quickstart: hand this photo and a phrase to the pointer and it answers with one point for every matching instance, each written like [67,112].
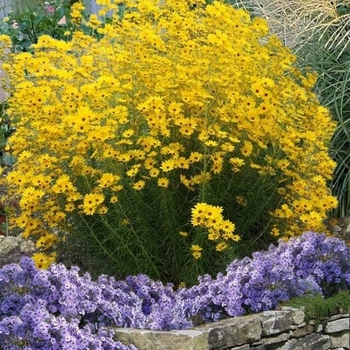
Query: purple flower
[60,309]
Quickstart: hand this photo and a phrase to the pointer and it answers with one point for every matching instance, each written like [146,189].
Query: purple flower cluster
[60,309]
[45,309]
[307,264]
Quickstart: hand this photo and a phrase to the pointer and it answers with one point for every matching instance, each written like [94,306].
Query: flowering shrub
[58,308]
[30,20]
[180,136]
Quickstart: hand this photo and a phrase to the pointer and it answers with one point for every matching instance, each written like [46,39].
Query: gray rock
[156,340]
[273,340]
[298,315]
[243,347]
[226,334]
[337,317]
[233,332]
[274,322]
[309,342]
[339,325]
[302,331]
[340,340]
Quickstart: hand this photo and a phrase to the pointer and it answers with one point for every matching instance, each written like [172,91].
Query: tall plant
[167,145]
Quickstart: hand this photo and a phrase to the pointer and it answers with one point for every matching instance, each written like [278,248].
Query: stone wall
[284,329]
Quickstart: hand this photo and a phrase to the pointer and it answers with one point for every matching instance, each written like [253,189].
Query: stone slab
[233,332]
[339,325]
[298,315]
[153,340]
[309,342]
[341,340]
[274,322]
[225,334]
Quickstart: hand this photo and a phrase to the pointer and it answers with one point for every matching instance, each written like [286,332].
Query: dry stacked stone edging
[284,329]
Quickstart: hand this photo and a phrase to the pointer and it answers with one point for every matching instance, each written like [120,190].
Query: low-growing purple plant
[60,309]
[309,264]
[44,309]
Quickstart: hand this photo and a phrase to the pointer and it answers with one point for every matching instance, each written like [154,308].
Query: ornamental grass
[168,139]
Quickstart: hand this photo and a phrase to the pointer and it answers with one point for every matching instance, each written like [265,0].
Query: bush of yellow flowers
[178,138]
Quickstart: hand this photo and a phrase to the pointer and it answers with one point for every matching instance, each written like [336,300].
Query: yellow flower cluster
[43,261]
[219,230]
[172,95]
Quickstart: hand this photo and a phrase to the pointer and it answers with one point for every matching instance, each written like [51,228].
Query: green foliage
[29,20]
[316,307]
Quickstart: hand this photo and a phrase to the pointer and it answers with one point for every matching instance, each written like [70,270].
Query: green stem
[96,239]
[141,245]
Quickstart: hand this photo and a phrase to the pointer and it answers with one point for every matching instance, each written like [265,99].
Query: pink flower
[50,9]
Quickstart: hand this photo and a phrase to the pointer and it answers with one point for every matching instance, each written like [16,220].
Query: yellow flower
[63,184]
[196,251]
[221,246]
[102,210]
[213,235]
[186,182]
[163,182]
[187,130]
[153,172]
[283,164]
[69,207]
[206,215]
[181,163]
[46,241]
[275,231]
[107,180]
[211,143]
[195,157]
[168,165]
[133,170]
[125,222]
[159,93]
[227,226]
[91,201]
[247,148]
[114,199]
[182,285]
[139,185]
[128,133]
[43,260]
[198,214]
[183,233]
[236,163]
